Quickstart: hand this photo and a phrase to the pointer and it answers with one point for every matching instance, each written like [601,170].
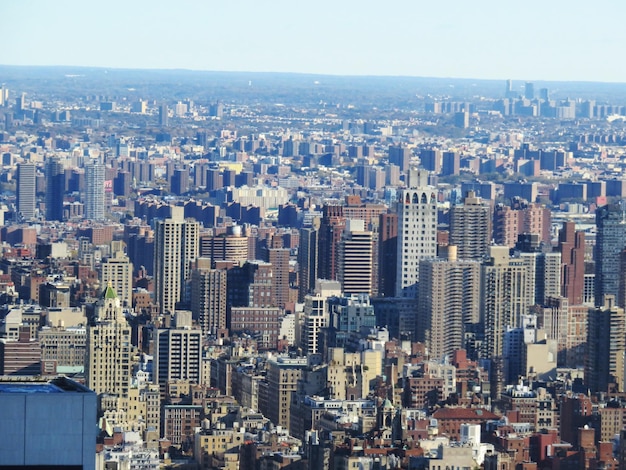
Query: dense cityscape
[287,271]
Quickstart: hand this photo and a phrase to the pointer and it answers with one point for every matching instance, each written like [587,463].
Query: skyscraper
[26,190]
[572,248]
[355,261]
[606,333]
[387,254]
[163,116]
[94,190]
[610,241]
[55,189]
[417,231]
[208,296]
[176,247]
[449,303]
[331,228]
[470,227]
[307,261]
[108,368]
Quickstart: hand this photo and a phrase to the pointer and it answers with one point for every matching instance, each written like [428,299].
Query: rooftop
[40,385]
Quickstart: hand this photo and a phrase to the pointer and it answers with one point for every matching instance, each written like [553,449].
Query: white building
[417,230]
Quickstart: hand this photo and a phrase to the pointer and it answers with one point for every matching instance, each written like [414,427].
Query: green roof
[109,293]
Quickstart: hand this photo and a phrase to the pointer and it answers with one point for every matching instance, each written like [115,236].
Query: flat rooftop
[14,384]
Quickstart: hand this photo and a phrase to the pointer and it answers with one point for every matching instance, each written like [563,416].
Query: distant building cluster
[245,284]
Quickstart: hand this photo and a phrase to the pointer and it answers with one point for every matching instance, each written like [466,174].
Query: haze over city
[485,39]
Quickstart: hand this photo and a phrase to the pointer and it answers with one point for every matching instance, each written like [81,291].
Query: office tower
[508,91]
[47,423]
[307,261]
[470,227]
[177,356]
[108,365]
[572,249]
[94,191]
[355,261]
[26,190]
[55,189]
[163,116]
[331,228]
[117,271]
[507,291]
[417,231]
[279,259]
[387,254]
[208,297]
[606,334]
[449,303]
[529,91]
[175,249]
[610,241]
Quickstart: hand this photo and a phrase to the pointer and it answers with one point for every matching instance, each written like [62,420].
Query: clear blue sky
[525,40]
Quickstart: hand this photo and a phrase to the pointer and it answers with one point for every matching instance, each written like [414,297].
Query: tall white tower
[417,230]
[176,248]
[94,191]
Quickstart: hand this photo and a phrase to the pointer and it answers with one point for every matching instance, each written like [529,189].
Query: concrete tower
[175,248]
[208,296]
[109,351]
[94,191]
[417,231]
[470,227]
[55,189]
[26,202]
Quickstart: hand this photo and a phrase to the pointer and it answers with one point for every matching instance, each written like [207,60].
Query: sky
[568,40]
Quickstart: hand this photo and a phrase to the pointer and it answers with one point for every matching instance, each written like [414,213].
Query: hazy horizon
[481,40]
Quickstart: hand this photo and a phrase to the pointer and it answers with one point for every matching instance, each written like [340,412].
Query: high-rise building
[355,261]
[177,356]
[331,228]
[175,249]
[307,261]
[109,351]
[163,115]
[117,271]
[529,91]
[55,189]
[449,303]
[94,191]
[572,249]
[610,241]
[417,231]
[387,254]
[279,258]
[606,336]
[507,292]
[470,227]
[208,296]
[26,187]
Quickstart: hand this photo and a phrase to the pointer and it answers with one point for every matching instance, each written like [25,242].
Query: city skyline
[481,40]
